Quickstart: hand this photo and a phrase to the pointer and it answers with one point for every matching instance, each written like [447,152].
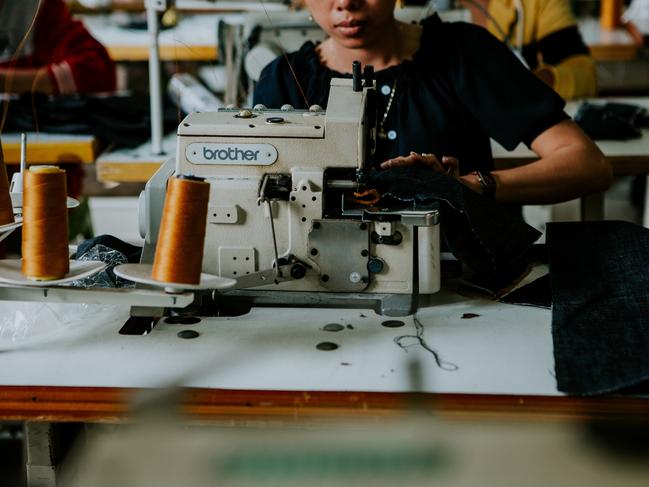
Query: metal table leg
[42,445]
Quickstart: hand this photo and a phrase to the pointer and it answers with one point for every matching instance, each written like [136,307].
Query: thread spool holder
[16,185]
[5,230]
[16,182]
[11,273]
[141,274]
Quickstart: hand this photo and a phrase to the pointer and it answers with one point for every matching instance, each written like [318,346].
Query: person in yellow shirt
[544,33]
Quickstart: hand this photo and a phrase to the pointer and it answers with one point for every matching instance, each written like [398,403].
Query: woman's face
[353,23]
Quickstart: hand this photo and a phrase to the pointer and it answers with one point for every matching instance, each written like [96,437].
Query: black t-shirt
[461,87]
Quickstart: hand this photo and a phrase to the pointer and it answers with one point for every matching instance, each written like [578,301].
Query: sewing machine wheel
[11,273]
[141,273]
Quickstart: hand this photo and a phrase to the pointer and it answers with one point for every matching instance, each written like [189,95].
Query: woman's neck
[397,44]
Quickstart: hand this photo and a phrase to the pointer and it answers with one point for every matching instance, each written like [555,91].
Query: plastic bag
[30,324]
[107,277]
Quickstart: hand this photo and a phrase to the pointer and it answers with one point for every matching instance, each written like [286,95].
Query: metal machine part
[340,248]
[282,219]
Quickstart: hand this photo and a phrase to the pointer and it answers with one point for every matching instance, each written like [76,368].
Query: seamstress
[444,89]
[43,49]
[545,35]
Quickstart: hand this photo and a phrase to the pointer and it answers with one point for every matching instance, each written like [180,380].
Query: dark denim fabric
[612,121]
[537,293]
[491,239]
[600,316]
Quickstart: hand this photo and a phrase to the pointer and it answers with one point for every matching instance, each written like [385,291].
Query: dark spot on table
[393,324]
[333,327]
[468,316]
[326,346]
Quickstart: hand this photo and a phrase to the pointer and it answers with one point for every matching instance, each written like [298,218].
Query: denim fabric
[489,238]
[600,316]
[537,293]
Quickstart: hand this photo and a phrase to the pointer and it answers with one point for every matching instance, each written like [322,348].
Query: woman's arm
[570,166]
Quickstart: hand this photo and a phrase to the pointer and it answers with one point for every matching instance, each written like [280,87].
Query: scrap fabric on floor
[600,316]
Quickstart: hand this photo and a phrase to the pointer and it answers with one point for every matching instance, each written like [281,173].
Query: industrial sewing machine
[287,222]
[284,219]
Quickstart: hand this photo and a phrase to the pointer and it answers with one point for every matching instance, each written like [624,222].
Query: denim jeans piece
[600,315]
[489,238]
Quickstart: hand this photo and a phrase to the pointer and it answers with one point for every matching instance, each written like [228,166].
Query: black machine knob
[298,271]
[375,265]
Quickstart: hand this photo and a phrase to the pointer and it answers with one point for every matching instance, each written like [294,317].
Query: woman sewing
[444,90]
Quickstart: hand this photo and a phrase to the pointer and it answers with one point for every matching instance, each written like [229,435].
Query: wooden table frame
[101,404]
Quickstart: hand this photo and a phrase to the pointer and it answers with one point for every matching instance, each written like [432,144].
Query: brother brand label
[243,154]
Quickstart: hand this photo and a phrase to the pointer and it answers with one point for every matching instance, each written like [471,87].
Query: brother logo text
[230,154]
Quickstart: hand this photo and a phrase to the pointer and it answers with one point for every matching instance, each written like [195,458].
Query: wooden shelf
[51,148]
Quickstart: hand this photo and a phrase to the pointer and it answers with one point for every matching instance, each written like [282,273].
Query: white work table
[507,349]
[265,365]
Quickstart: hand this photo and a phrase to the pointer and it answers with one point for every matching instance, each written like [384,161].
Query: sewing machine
[288,222]
[283,218]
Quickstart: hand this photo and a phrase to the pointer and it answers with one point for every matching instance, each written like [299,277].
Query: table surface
[265,363]
[607,44]
[44,148]
[194,38]
[135,165]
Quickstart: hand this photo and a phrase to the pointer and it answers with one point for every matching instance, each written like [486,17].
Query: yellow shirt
[550,40]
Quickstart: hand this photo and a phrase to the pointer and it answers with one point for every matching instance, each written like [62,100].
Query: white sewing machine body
[303,166]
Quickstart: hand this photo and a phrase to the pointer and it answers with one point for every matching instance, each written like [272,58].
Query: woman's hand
[448,165]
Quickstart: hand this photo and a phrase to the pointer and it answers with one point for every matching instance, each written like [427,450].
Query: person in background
[44,50]
[444,90]
[544,34]
[636,21]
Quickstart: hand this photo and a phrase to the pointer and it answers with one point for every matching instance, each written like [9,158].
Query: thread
[610,14]
[179,252]
[45,224]
[6,208]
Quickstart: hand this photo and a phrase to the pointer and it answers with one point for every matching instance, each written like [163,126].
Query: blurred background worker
[544,33]
[43,49]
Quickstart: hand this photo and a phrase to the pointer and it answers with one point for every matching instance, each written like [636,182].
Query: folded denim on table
[600,314]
